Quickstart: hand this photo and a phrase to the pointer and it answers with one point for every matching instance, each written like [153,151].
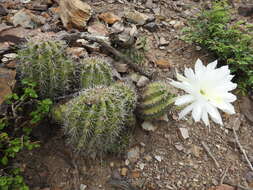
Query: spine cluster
[46,64]
[93,120]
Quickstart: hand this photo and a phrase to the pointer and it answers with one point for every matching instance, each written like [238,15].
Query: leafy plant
[156,100]
[15,131]
[230,42]
[95,119]
[95,71]
[45,63]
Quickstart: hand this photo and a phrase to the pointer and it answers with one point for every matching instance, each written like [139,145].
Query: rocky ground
[168,154]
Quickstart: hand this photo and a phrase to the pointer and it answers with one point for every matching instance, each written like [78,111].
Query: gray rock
[3,11]
[26,19]
[133,154]
[152,26]
[142,81]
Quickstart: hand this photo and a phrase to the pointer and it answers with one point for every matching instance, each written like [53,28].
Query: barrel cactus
[156,100]
[94,120]
[45,63]
[95,71]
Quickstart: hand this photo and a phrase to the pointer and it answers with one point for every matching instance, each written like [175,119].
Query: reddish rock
[109,18]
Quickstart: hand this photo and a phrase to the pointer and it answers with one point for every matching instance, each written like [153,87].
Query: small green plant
[95,71]
[137,52]
[45,63]
[95,119]
[15,129]
[156,100]
[229,42]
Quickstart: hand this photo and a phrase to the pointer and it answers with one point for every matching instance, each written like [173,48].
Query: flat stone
[98,29]
[27,19]
[163,63]
[109,18]
[11,56]
[136,17]
[158,158]
[184,132]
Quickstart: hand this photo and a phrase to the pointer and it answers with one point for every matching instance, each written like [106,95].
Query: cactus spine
[95,71]
[94,120]
[156,100]
[46,64]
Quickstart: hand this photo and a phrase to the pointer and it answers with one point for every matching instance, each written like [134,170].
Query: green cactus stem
[94,120]
[95,71]
[45,63]
[156,100]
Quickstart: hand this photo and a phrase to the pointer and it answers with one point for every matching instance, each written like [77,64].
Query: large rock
[27,19]
[74,13]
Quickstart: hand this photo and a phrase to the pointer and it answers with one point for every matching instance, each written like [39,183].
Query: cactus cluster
[93,121]
[45,63]
[94,71]
[156,100]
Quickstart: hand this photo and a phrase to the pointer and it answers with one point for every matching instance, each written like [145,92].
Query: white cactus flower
[208,89]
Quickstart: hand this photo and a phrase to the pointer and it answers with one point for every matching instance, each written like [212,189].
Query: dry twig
[209,153]
[242,150]
[223,175]
[107,47]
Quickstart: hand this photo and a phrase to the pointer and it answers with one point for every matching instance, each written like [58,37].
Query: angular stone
[136,17]
[27,19]
[184,132]
[74,13]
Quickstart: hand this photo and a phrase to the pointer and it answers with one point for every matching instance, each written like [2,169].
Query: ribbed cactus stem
[156,100]
[95,71]
[93,120]
[45,63]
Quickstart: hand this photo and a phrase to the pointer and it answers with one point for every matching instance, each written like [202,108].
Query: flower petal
[204,117]
[199,67]
[212,65]
[227,108]
[182,86]
[197,111]
[185,111]
[214,113]
[181,100]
